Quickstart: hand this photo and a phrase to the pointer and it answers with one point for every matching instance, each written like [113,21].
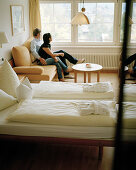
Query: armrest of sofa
[29,69]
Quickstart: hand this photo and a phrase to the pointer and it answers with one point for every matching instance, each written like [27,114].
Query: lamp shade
[3,38]
[80,19]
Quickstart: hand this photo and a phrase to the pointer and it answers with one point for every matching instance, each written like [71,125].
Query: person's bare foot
[69,69]
[130,71]
[62,80]
[80,61]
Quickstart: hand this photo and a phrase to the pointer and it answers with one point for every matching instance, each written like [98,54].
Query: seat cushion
[48,74]
[21,56]
[29,70]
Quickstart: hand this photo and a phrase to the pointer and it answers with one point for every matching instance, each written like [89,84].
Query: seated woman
[128,61]
[52,58]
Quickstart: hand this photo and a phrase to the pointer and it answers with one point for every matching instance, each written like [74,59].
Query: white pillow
[9,80]
[24,90]
[6,100]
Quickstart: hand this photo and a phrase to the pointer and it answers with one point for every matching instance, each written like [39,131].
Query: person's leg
[50,61]
[63,59]
[67,56]
[64,67]
[130,59]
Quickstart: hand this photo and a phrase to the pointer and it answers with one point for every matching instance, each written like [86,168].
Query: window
[122,21]
[56,18]
[132,26]
[133,29]
[101,17]
[104,16]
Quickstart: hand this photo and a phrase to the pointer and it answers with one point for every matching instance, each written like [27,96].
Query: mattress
[35,129]
[67,90]
[59,112]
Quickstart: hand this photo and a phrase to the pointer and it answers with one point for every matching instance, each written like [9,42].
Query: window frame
[74,28]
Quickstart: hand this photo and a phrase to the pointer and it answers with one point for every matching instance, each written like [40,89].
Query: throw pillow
[24,90]
[6,100]
[9,80]
[21,56]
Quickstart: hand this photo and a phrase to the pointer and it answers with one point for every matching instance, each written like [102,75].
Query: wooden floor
[32,156]
[42,156]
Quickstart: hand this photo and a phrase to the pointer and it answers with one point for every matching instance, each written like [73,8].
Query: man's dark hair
[36,31]
[46,38]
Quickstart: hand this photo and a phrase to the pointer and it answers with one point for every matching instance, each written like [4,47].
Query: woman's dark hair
[36,31]
[46,38]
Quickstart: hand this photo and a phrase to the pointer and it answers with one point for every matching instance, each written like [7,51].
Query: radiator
[108,61]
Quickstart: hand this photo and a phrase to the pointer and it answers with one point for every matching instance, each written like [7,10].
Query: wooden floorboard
[41,156]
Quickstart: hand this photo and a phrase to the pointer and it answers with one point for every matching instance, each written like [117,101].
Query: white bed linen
[81,132]
[129,116]
[59,112]
[130,92]
[29,129]
[67,90]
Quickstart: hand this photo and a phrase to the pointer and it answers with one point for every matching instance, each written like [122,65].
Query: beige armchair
[24,66]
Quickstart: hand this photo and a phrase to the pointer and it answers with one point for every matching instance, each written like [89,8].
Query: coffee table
[82,68]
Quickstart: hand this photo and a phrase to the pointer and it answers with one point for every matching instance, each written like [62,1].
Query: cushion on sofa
[21,56]
[27,44]
[29,70]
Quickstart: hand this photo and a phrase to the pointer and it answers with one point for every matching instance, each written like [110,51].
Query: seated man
[36,44]
[128,61]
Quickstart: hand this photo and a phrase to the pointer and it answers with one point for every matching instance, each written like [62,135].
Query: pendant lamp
[80,18]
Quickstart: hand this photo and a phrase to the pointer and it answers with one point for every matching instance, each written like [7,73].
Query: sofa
[25,64]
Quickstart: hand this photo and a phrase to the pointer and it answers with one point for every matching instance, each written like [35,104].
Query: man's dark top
[42,53]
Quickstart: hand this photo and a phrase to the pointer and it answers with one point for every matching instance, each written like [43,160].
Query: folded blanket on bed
[97,87]
[60,112]
[65,90]
[95,107]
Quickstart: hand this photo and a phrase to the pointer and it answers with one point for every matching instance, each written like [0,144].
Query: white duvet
[59,112]
[130,92]
[65,90]
[129,116]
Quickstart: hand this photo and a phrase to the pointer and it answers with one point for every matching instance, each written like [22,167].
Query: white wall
[5,26]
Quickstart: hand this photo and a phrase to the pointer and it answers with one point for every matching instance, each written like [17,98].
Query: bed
[99,131]
[67,129]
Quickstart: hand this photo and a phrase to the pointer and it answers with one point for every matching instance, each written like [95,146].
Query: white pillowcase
[6,100]
[9,80]
[24,90]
